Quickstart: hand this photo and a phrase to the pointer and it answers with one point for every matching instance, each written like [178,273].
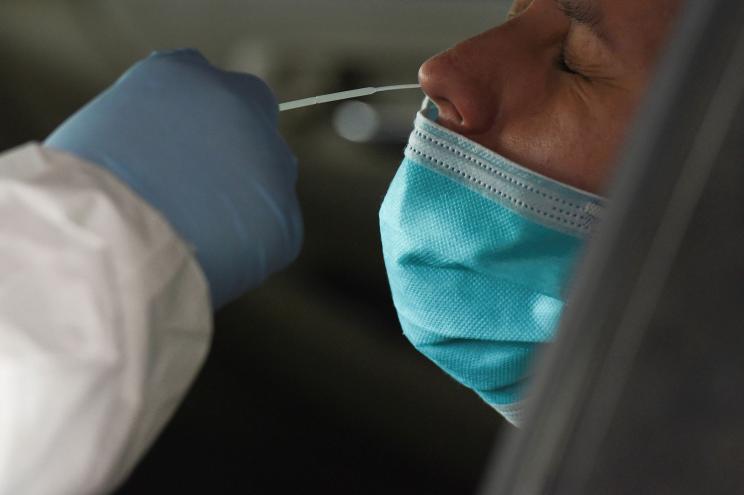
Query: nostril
[447,112]
[463,105]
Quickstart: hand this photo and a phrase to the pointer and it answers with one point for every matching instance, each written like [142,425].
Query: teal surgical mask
[479,252]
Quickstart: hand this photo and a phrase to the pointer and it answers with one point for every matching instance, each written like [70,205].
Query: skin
[566,117]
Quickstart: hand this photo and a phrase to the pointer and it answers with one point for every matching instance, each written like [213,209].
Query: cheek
[566,137]
[539,136]
[550,142]
[588,135]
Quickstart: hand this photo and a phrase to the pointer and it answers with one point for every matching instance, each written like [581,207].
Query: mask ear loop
[342,95]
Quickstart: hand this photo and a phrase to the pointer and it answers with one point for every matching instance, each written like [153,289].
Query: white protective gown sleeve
[105,320]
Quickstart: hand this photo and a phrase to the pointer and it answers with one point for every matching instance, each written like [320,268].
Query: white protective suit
[105,320]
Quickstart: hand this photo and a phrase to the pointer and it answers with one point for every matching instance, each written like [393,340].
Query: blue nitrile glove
[201,145]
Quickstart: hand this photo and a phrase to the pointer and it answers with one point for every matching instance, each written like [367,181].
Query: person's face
[555,87]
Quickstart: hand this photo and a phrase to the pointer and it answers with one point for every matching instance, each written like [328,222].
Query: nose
[466,101]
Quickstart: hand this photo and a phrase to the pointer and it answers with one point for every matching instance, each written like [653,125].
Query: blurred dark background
[310,385]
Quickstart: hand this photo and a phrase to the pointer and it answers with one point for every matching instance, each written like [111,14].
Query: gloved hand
[200,145]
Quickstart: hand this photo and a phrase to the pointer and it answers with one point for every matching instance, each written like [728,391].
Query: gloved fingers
[191,55]
[202,146]
[188,68]
[254,91]
[284,163]
[181,67]
[281,242]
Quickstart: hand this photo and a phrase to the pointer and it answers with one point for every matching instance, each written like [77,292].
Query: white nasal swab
[342,95]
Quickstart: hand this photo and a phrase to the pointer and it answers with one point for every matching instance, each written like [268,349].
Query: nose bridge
[484,56]
[507,56]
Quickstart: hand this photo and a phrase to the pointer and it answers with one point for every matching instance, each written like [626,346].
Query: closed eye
[563,63]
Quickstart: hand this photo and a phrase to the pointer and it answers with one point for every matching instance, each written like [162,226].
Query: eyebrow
[588,13]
